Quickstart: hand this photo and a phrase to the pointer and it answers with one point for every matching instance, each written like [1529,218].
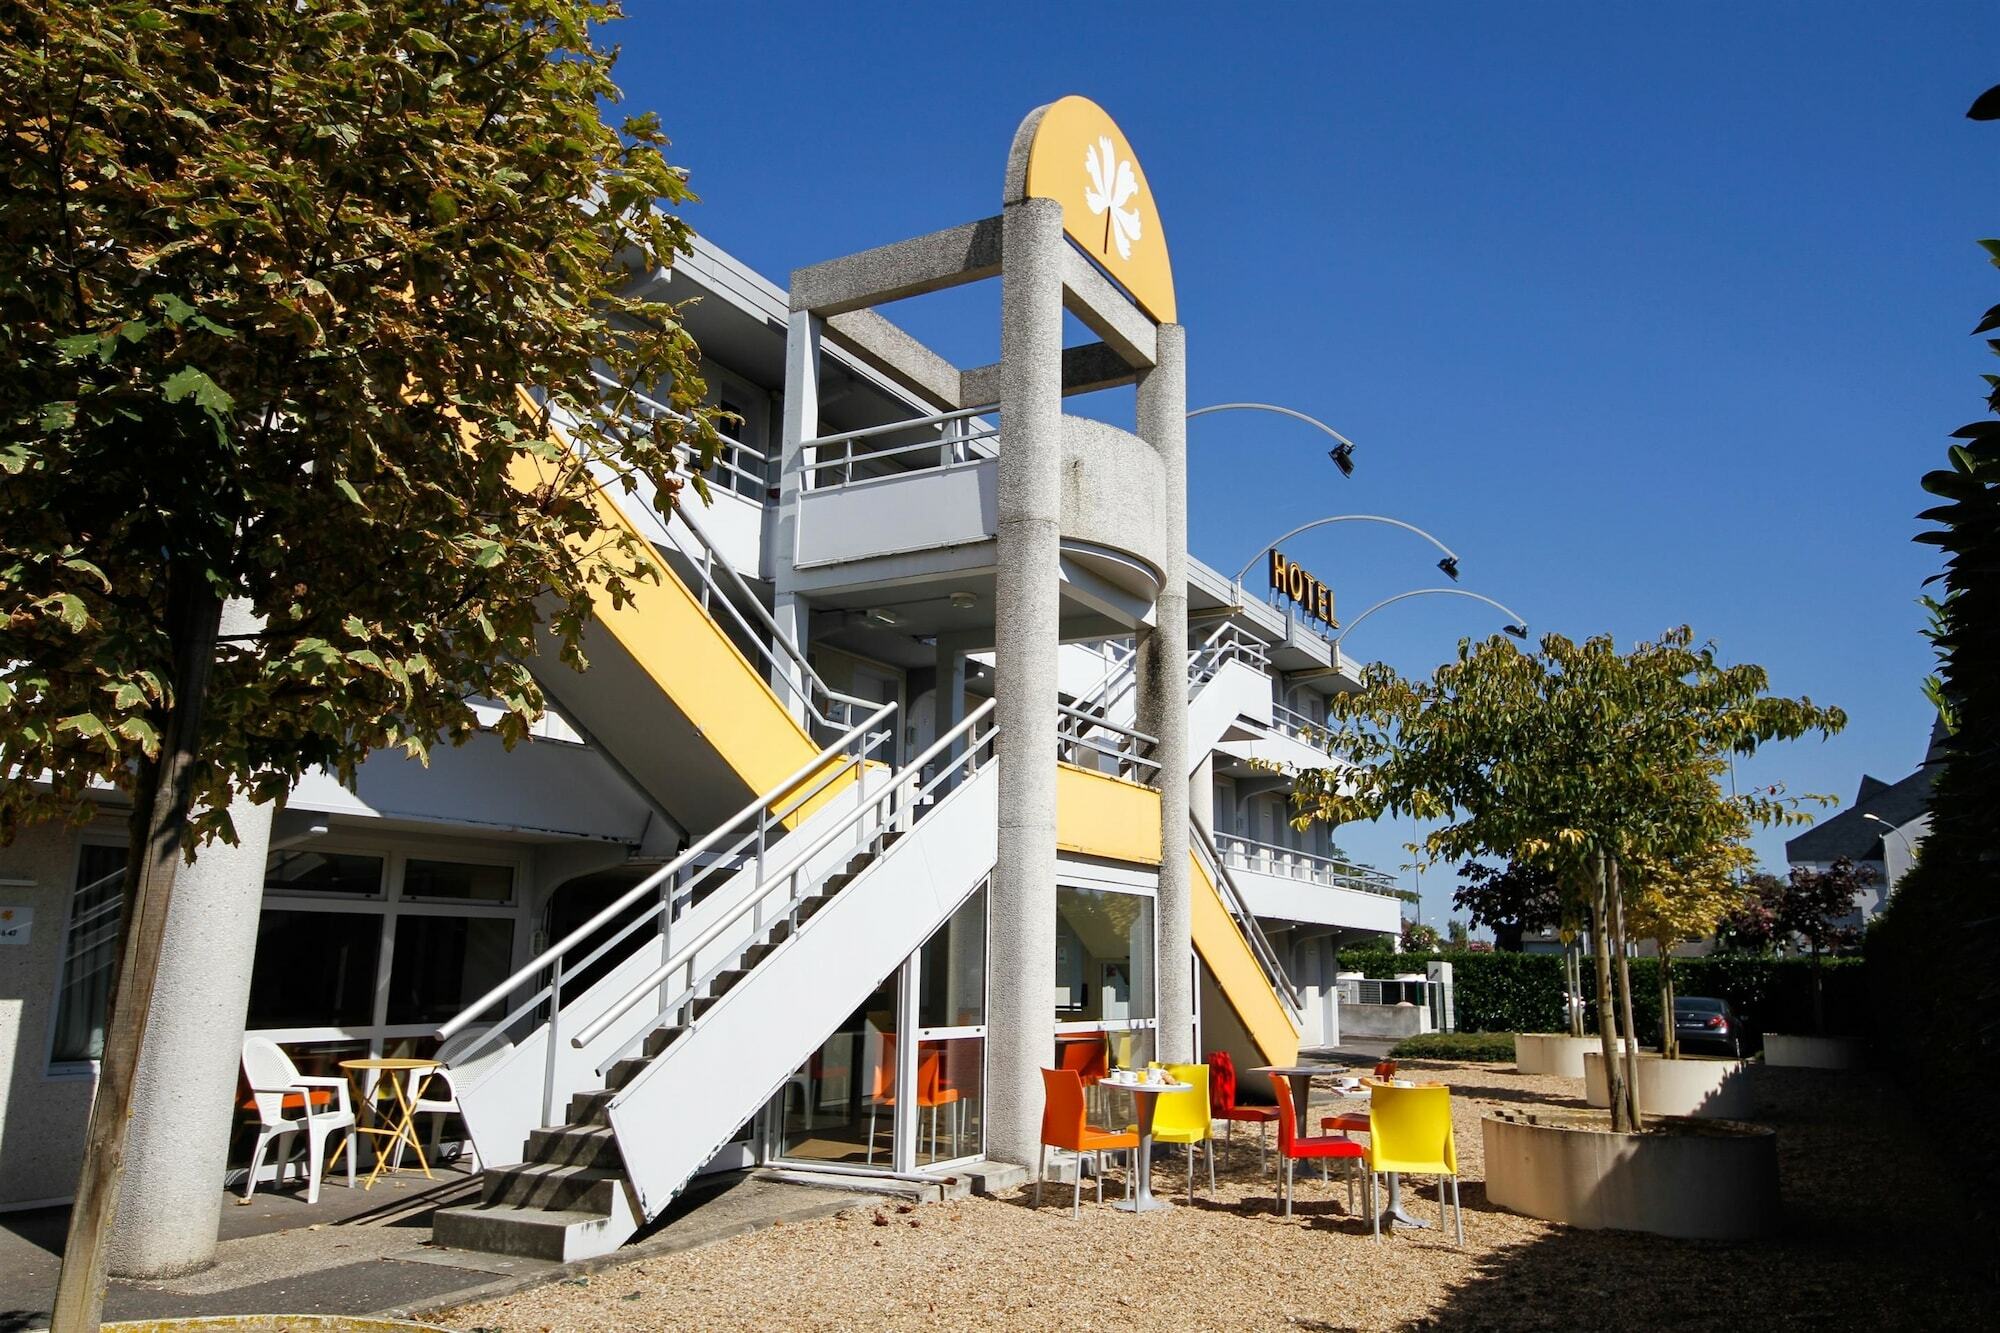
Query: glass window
[1104,955]
[323,872]
[314,969]
[455,879]
[840,1105]
[443,963]
[952,993]
[90,954]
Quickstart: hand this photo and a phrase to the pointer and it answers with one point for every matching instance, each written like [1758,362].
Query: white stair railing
[1246,920]
[892,807]
[741,845]
[964,435]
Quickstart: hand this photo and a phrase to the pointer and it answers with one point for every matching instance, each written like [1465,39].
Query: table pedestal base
[1394,1213]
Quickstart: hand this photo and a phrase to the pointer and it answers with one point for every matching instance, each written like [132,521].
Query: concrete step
[660,1038]
[575,1145]
[587,1108]
[529,1233]
[623,1072]
[727,981]
[553,1188]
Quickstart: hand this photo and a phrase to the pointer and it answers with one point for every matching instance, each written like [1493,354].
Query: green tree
[291,297]
[1418,937]
[1577,758]
[1685,898]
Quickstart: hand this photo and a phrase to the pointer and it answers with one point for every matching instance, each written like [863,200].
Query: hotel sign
[1312,596]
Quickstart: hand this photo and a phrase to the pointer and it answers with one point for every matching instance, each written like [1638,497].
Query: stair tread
[528,1215]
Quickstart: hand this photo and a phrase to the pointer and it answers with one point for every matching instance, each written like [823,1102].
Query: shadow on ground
[1873,1237]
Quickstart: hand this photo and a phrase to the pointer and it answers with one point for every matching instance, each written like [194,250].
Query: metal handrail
[1130,750]
[1301,728]
[953,446]
[1246,920]
[910,775]
[1285,862]
[758,813]
[1227,642]
[706,564]
[759,481]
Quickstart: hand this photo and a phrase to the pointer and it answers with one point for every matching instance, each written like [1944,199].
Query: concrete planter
[1814,1052]
[1697,1179]
[1554,1052]
[1711,1089]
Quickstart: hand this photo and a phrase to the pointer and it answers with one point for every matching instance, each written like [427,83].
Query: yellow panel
[1082,160]
[668,635]
[1227,956]
[1099,815]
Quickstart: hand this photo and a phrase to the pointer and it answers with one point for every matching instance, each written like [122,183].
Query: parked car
[1703,1023]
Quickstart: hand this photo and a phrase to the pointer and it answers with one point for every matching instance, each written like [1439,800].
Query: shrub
[1494,1046]
[1502,992]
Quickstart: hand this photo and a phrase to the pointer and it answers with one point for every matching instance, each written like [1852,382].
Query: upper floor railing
[1287,863]
[1246,921]
[1227,642]
[738,467]
[1089,741]
[965,435]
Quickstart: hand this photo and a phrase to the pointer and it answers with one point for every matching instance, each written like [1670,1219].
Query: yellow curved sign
[1082,160]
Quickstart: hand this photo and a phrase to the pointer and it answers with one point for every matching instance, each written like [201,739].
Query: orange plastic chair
[932,1090]
[1064,1125]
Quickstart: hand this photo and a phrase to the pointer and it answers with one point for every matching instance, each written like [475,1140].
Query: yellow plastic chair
[1182,1117]
[1409,1131]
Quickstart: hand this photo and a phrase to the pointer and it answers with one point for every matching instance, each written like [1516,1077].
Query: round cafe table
[400,1124]
[1144,1098]
[1301,1077]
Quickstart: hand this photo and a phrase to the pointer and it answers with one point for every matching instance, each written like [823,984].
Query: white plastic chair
[439,1096]
[272,1077]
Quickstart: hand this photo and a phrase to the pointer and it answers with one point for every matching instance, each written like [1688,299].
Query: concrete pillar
[948,698]
[184,1092]
[1027,608]
[801,423]
[1163,708]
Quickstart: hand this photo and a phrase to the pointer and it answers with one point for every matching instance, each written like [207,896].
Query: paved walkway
[369,1251]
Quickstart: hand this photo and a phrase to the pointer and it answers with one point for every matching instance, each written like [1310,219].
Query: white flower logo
[1109,192]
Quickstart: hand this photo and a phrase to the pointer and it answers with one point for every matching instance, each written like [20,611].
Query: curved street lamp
[1342,452]
[1449,564]
[1519,629]
[1908,849]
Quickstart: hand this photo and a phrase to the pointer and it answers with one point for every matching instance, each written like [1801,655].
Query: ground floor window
[90,954]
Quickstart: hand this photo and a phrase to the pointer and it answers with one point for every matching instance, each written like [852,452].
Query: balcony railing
[1263,858]
[966,435]
[1293,723]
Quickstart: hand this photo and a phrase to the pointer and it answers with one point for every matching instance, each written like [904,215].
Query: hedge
[1510,992]
[1484,1046]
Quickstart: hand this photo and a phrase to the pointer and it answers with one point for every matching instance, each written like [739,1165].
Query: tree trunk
[1607,1010]
[1625,996]
[159,813]
[1670,1041]
[1573,956]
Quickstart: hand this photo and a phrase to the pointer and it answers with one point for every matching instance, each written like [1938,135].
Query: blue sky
[1656,315]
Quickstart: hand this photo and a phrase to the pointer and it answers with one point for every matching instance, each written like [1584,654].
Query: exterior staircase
[761,983]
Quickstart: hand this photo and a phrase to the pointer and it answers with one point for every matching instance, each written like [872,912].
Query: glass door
[950,1062]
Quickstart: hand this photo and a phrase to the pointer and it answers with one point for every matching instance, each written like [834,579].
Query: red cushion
[1326,1147]
[296,1100]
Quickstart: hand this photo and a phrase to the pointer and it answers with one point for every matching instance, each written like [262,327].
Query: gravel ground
[1867,1245]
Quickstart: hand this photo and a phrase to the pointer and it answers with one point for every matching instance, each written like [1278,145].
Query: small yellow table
[402,1120]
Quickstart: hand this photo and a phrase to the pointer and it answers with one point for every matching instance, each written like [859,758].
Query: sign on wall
[1313,597]
[1082,160]
[16,924]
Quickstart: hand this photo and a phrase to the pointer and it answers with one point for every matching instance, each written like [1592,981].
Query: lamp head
[1450,567]
[1342,455]
[1518,631]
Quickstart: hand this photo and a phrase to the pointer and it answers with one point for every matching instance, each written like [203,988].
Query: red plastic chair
[1222,1103]
[1065,1125]
[1294,1147]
